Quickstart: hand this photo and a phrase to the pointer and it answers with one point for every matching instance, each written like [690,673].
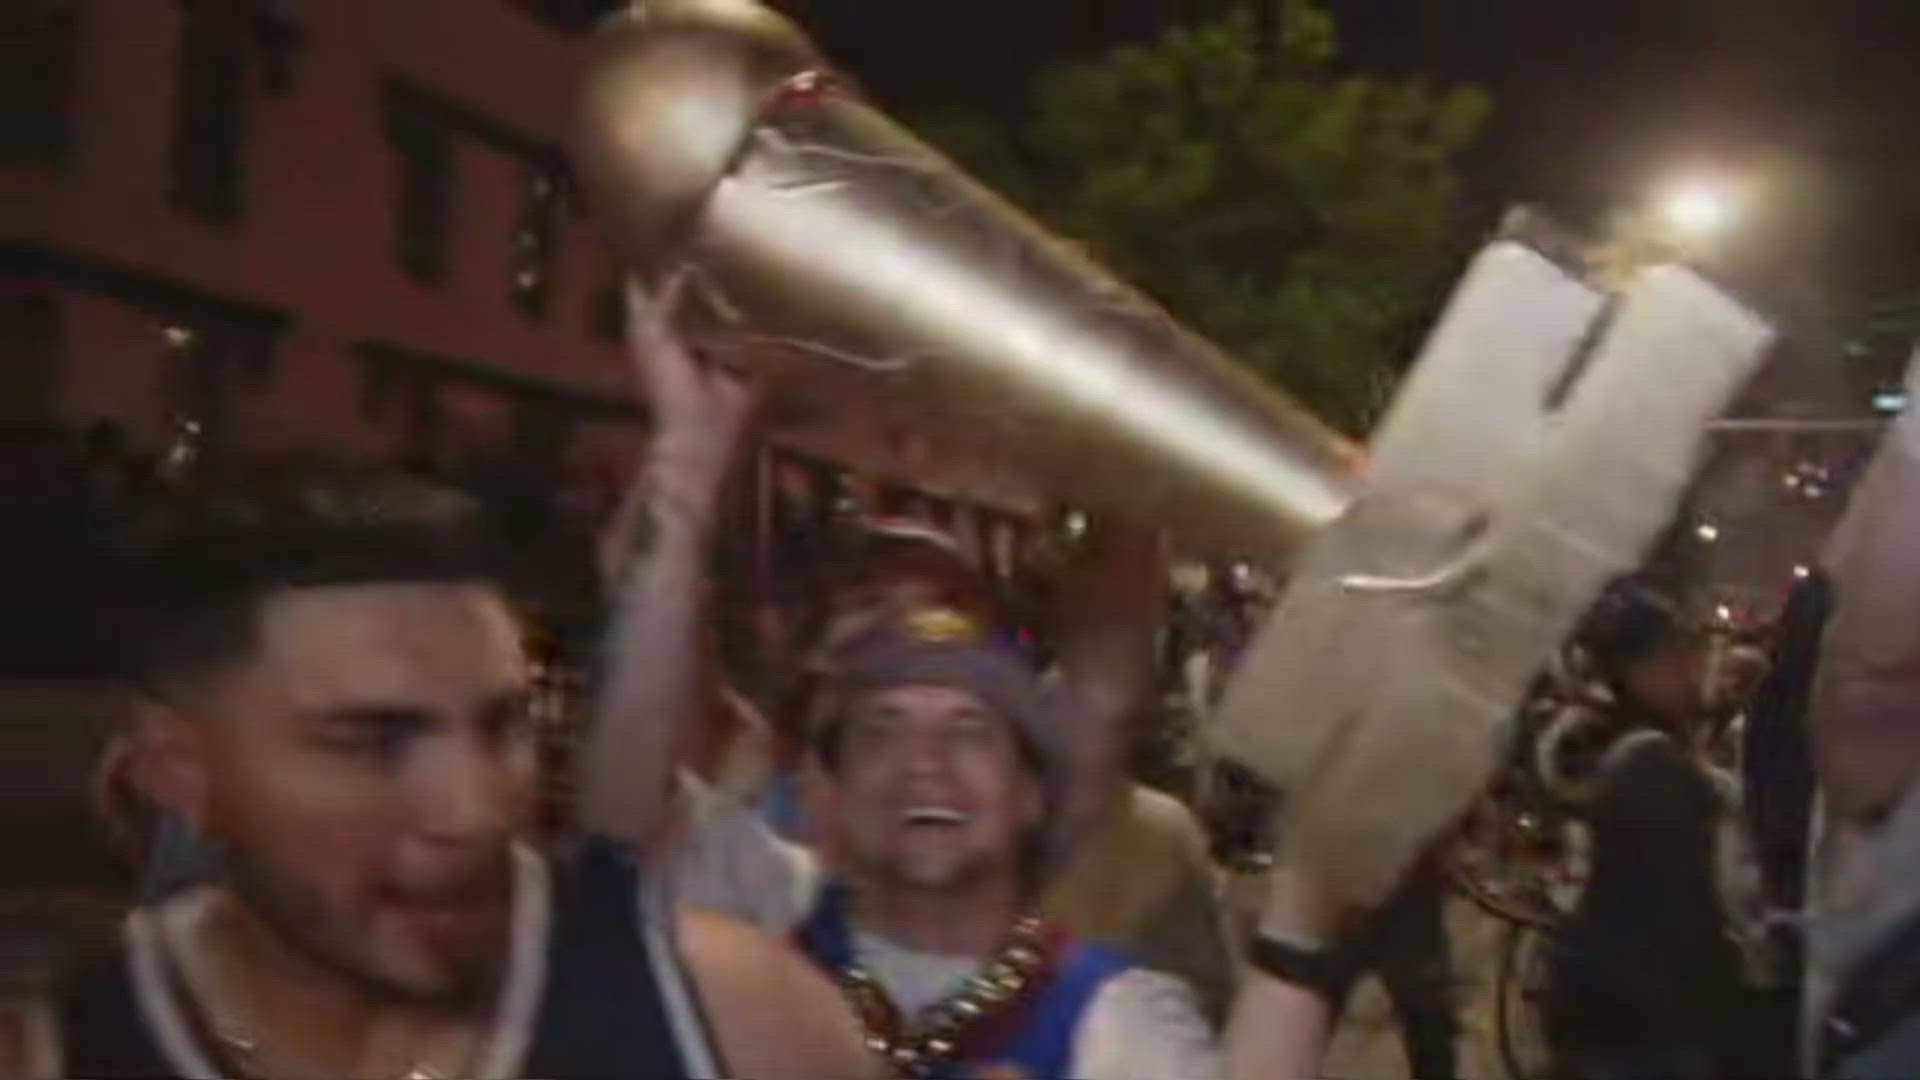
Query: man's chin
[448,959]
[387,962]
[933,877]
[439,986]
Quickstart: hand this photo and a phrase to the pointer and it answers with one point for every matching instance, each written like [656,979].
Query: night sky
[1596,99]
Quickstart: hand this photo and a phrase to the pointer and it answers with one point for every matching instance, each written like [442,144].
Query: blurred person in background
[1779,785]
[1405,943]
[1645,980]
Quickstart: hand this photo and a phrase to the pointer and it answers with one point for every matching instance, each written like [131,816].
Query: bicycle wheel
[1495,864]
[1519,993]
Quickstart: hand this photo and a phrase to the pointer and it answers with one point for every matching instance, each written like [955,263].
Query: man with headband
[941,772]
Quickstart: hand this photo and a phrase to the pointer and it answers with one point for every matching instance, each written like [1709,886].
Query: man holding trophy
[1423,596]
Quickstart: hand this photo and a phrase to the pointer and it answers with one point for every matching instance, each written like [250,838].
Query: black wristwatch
[1318,969]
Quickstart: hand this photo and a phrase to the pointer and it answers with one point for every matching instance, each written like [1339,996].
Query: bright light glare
[1698,209]
[1707,532]
[1802,572]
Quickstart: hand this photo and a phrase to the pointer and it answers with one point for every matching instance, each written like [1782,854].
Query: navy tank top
[615,1001]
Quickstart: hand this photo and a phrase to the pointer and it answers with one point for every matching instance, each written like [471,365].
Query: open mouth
[450,915]
[935,816]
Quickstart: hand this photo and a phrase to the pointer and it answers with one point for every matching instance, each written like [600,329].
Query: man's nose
[469,794]
[928,755]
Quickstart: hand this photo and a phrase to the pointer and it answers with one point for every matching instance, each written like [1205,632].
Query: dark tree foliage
[1301,216]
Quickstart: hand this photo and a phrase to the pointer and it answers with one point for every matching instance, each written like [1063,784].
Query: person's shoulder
[1163,816]
[1651,771]
[730,860]
[1145,1023]
[721,939]
[1144,994]
[1156,806]
[773,1014]
[1655,752]
[1641,751]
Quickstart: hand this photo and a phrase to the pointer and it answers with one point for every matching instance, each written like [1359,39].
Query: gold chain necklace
[915,1049]
[243,1053]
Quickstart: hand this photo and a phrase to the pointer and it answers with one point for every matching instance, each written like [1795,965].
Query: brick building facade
[239,229]
[295,223]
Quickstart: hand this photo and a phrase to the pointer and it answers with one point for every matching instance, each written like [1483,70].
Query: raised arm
[1280,1022]
[653,562]
[1113,605]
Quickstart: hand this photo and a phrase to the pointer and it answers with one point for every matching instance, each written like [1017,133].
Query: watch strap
[1312,968]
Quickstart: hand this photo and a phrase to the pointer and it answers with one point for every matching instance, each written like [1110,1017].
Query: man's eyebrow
[510,703]
[371,714]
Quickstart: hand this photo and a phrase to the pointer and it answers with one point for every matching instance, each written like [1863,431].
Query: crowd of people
[909,843]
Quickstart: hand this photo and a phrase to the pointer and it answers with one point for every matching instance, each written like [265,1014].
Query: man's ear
[819,802]
[171,751]
[1032,797]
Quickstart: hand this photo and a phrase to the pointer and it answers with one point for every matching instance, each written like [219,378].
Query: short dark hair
[1634,619]
[200,580]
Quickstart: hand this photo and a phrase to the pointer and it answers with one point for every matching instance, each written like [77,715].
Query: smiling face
[365,770]
[931,791]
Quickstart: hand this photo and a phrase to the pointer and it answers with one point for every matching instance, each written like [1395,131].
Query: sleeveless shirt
[614,998]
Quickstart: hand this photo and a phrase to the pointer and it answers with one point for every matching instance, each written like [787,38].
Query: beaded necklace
[919,1047]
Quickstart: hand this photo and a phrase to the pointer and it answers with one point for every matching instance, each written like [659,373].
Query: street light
[1698,208]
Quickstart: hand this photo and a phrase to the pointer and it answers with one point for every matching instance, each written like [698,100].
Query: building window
[898,501]
[423,428]
[30,325]
[210,107]
[568,15]
[211,362]
[542,431]
[530,275]
[610,307]
[281,38]
[408,401]
[425,209]
[39,61]
[197,420]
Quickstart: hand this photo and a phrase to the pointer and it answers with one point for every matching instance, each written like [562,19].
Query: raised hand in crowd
[699,411]
[653,562]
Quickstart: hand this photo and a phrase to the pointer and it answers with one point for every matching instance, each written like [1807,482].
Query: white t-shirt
[1141,1025]
[729,860]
